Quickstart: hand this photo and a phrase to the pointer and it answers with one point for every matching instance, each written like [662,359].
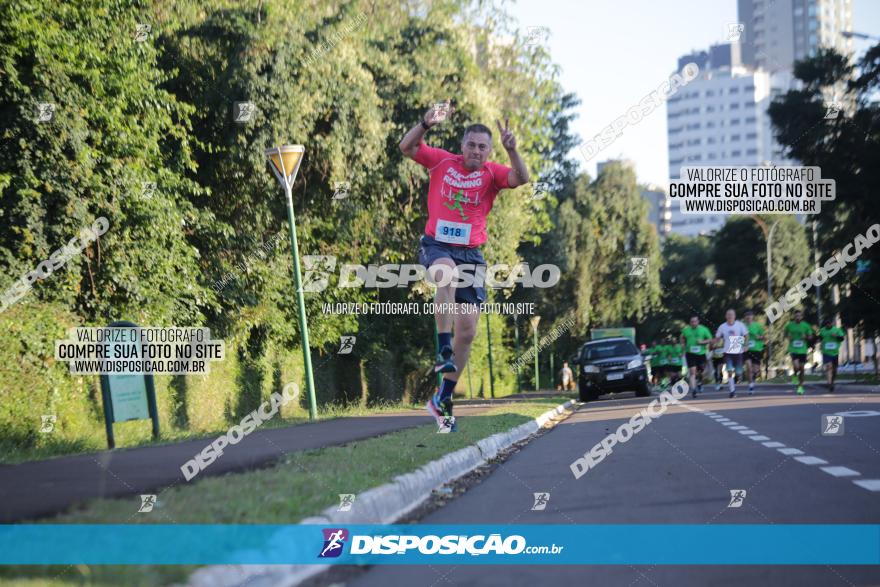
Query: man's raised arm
[519,175]
[409,145]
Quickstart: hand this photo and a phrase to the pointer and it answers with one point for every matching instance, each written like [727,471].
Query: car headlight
[591,369]
[634,363]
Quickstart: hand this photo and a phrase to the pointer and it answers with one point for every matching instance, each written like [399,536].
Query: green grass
[302,484]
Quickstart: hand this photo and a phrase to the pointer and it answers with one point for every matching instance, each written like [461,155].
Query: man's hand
[508,140]
[409,145]
[519,175]
[438,113]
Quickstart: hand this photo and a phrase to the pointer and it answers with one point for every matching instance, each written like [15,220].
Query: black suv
[609,365]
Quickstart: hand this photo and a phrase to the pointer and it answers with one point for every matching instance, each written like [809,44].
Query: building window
[750,119]
[695,126]
[734,106]
[752,135]
[734,138]
[710,125]
[733,91]
[736,153]
[710,141]
[734,122]
[751,151]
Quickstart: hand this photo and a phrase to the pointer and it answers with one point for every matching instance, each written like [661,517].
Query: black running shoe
[444,362]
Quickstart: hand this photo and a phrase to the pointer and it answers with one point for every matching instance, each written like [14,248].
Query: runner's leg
[465,330]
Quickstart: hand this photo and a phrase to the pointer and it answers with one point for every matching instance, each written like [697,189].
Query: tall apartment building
[719,118]
[659,210]
[779,32]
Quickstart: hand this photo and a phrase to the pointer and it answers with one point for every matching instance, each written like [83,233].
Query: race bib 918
[798,343]
[695,350]
[830,346]
[457,233]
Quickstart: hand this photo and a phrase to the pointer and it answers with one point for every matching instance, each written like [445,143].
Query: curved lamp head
[534,320]
[285,162]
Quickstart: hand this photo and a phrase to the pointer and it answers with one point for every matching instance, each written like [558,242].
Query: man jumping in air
[461,193]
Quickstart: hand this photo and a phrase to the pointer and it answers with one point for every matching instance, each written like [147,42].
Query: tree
[846,148]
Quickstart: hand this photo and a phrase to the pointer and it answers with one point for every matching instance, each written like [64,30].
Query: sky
[614,52]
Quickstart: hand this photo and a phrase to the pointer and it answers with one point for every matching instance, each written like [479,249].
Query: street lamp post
[491,373]
[516,341]
[768,236]
[285,162]
[534,321]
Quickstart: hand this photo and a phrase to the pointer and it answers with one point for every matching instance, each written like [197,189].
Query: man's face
[731,316]
[475,149]
[749,318]
[694,321]
[798,316]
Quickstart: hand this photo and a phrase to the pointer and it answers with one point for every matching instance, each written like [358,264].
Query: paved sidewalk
[44,488]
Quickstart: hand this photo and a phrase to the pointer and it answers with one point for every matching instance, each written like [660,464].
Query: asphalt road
[678,470]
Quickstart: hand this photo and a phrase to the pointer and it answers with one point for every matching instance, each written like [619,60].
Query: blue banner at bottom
[526,544]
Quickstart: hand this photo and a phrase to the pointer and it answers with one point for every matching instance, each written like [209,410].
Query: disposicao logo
[334,540]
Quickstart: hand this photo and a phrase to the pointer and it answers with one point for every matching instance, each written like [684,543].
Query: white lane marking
[835,471]
[841,471]
[790,451]
[869,484]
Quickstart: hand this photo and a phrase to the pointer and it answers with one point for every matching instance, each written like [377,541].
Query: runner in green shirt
[800,334]
[653,355]
[718,364]
[676,360]
[658,362]
[831,337]
[755,352]
[695,339]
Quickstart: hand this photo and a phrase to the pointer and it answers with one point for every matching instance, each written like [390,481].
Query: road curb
[380,505]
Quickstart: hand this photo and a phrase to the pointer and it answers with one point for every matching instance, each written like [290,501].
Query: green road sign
[625,332]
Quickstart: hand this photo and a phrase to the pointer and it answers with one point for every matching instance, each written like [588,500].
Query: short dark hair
[477,128]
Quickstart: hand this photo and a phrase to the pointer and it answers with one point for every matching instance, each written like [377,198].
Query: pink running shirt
[459,200]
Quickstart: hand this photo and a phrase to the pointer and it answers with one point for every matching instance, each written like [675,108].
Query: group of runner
[740,347]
